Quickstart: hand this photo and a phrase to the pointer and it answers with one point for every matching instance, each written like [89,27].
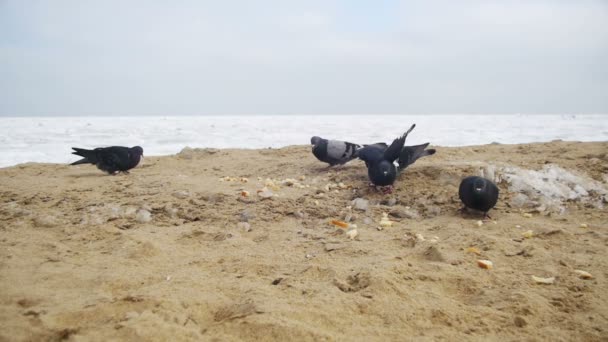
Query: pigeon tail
[409,154]
[89,156]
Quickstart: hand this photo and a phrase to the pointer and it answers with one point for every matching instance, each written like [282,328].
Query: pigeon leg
[388,189]
[127,172]
[486,217]
[115,173]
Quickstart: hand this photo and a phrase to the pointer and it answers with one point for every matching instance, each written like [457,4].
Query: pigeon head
[315,140]
[136,155]
[382,173]
[479,185]
[138,150]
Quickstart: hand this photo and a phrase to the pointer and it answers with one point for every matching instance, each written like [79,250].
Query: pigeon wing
[370,154]
[392,152]
[409,154]
[115,158]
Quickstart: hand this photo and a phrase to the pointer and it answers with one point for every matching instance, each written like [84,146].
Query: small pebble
[384,221]
[265,194]
[520,322]
[352,233]
[433,210]
[181,194]
[584,225]
[527,234]
[479,223]
[245,226]
[360,204]
[246,215]
[348,217]
[527,215]
[172,212]
[45,221]
[406,212]
[143,216]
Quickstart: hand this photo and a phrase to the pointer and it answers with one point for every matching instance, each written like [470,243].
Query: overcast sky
[305,57]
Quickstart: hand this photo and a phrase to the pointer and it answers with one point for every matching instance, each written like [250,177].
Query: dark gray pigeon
[112,159]
[381,169]
[333,152]
[478,193]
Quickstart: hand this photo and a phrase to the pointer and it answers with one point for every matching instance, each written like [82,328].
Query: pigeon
[333,152]
[381,169]
[478,193]
[112,159]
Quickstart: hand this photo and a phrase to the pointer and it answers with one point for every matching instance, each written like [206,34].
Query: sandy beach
[238,245]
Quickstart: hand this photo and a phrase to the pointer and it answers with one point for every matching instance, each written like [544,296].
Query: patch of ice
[130,211]
[489,172]
[96,215]
[547,189]
[520,201]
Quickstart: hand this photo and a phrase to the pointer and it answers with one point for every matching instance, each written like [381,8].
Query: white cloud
[95,57]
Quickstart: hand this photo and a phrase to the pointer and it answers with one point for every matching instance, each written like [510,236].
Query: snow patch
[548,188]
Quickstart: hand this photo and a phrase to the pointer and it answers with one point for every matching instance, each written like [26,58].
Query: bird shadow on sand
[326,169]
[93,175]
[472,214]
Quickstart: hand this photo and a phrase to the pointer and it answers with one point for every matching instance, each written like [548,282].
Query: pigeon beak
[385,173]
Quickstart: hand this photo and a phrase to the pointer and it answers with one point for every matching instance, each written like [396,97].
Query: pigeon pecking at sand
[381,169]
[478,193]
[380,160]
[112,159]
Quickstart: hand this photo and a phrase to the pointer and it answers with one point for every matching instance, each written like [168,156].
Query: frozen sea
[49,139]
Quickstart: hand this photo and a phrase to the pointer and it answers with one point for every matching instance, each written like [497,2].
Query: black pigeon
[478,193]
[112,159]
[333,152]
[380,161]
